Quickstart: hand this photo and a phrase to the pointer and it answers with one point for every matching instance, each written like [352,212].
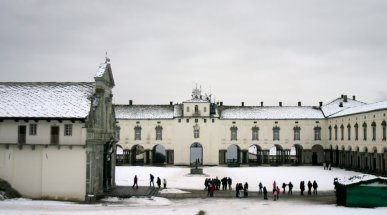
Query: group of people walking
[151,182]
[310,185]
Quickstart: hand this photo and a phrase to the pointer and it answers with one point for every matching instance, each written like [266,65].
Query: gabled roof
[105,72]
[362,109]
[145,111]
[45,99]
[270,112]
[334,106]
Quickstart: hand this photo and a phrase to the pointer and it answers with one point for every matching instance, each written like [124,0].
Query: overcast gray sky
[250,51]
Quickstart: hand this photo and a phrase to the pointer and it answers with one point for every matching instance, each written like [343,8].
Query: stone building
[57,139]
[210,133]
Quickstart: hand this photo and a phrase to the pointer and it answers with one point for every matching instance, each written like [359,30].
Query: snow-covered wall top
[362,109]
[197,100]
[45,99]
[285,112]
[145,111]
[334,106]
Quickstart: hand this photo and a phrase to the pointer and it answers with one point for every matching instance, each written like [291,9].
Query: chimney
[280,104]
[341,104]
[299,104]
[321,103]
[342,96]
[261,104]
[130,102]
[221,103]
[353,97]
[345,98]
[170,103]
[243,104]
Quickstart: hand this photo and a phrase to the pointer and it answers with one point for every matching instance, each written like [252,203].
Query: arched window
[330,132]
[159,132]
[342,132]
[373,125]
[356,131]
[335,132]
[364,131]
[384,131]
[297,133]
[317,133]
[137,133]
[255,133]
[276,133]
[349,131]
[234,133]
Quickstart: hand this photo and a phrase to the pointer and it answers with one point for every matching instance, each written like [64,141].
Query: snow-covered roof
[359,178]
[334,106]
[101,70]
[362,109]
[197,100]
[145,111]
[270,112]
[45,99]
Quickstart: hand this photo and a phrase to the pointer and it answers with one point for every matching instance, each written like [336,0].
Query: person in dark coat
[290,188]
[315,187]
[135,180]
[302,187]
[264,193]
[283,188]
[237,190]
[229,181]
[151,180]
[309,188]
[245,189]
[158,181]
[260,188]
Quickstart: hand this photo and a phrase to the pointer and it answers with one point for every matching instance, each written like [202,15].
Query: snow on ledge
[172,190]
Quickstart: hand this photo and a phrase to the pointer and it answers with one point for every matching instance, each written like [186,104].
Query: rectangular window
[234,133]
[55,135]
[179,120]
[68,130]
[205,120]
[356,133]
[342,132]
[349,132]
[22,134]
[159,133]
[137,133]
[317,133]
[335,132]
[255,134]
[33,129]
[213,120]
[196,133]
[187,120]
[297,134]
[187,109]
[330,133]
[205,109]
[276,133]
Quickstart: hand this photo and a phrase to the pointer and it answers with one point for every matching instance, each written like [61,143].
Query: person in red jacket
[212,189]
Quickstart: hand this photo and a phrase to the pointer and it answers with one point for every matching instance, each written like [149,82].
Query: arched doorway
[119,155]
[317,154]
[296,154]
[138,155]
[276,155]
[196,154]
[159,155]
[232,155]
[255,155]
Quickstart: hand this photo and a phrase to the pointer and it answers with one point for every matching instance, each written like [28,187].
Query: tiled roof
[45,99]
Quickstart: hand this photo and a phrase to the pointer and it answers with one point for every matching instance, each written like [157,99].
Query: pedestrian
[245,189]
[206,183]
[158,181]
[309,188]
[302,187]
[212,189]
[315,187]
[278,192]
[209,187]
[275,194]
[283,188]
[151,182]
[229,181]
[274,185]
[260,188]
[165,183]
[237,190]
[135,180]
[264,193]
[290,188]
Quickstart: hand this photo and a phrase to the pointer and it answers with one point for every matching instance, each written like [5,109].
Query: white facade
[57,140]
[310,144]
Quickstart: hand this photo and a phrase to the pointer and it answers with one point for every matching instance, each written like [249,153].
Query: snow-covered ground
[178,177]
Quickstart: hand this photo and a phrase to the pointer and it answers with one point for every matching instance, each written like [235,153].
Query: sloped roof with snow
[146,111]
[362,109]
[285,112]
[358,179]
[334,106]
[101,70]
[45,99]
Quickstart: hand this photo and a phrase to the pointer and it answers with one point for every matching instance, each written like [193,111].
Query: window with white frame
[276,133]
[317,133]
[33,129]
[297,133]
[68,129]
[234,133]
[255,133]
[159,133]
[196,132]
[137,133]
